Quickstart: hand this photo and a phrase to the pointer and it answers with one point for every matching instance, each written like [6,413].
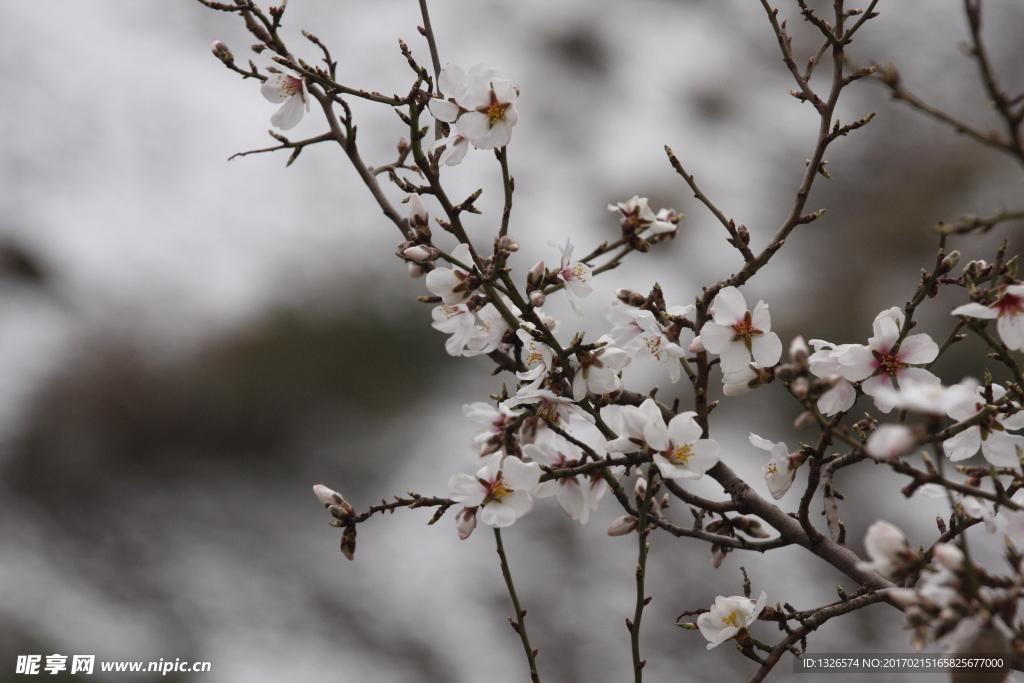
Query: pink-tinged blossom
[574,275]
[728,616]
[495,420]
[451,283]
[488,110]
[1008,309]
[878,365]
[491,330]
[501,489]
[537,357]
[780,471]
[890,441]
[458,321]
[889,550]
[571,492]
[595,370]
[284,85]
[737,334]
[824,362]
[998,446]
[679,450]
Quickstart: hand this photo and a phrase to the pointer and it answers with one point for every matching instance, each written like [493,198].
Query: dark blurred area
[187,346]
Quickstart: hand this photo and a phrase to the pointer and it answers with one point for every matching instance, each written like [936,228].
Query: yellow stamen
[681,454]
[731,620]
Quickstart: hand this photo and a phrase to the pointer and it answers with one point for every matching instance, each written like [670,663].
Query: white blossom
[890,441]
[679,450]
[450,283]
[284,85]
[780,470]
[888,549]
[728,616]
[736,334]
[999,447]
[574,275]
[824,362]
[595,370]
[501,488]
[537,357]
[494,419]
[458,321]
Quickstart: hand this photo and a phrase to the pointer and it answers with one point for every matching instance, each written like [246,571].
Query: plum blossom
[284,85]
[595,370]
[729,616]
[736,334]
[780,471]
[1008,309]
[878,365]
[458,321]
[495,420]
[574,275]
[451,284]
[501,489]
[654,343]
[890,552]
[679,450]
[999,448]
[824,362]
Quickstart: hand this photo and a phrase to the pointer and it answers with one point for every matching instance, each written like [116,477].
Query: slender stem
[641,571]
[519,623]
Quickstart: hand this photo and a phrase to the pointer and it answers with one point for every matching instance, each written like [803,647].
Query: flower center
[548,410]
[574,272]
[732,620]
[450,311]
[495,112]
[1010,304]
[497,491]
[772,469]
[889,364]
[654,346]
[681,454]
[745,329]
[291,85]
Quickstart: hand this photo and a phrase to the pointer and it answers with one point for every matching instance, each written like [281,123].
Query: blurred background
[187,345]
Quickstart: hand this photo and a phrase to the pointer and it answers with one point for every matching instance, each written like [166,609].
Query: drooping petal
[764,444]
[573,500]
[1002,449]
[290,113]
[1011,330]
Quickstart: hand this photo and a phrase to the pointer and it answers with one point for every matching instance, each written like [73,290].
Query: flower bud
[629,297]
[549,322]
[348,542]
[415,269]
[743,234]
[221,52]
[535,277]
[418,216]
[800,387]
[623,525]
[787,372]
[798,350]
[508,243]
[804,420]
[330,497]
[403,145]
[465,522]
[890,441]
[717,555]
[949,263]
[696,346]
[750,526]
[949,556]
[537,298]
[640,488]
[419,253]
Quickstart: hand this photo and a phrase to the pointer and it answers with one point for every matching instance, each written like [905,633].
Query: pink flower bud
[221,52]
[535,276]
[622,526]
[537,298]
[465,522]
[417,211]
[890,441]
[949,556]
[696,346]
[415,269]
[798,350]
[328,496]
